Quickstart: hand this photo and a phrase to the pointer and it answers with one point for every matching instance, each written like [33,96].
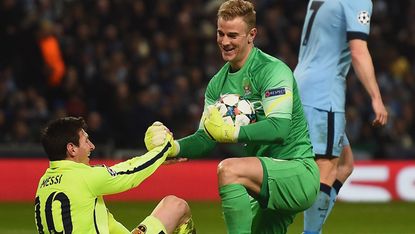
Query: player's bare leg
[328,169]
[344,170]
[174,213]
[237,177]
[245,171]
[345,167]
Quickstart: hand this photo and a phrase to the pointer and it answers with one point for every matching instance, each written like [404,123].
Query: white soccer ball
[364,17]
[235,110]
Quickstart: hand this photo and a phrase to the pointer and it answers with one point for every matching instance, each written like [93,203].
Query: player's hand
[157,134]
[381,115]
[217,129]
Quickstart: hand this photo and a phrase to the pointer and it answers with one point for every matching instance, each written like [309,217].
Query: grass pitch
[347,218]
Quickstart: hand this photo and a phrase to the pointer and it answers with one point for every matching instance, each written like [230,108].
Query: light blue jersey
[324,58]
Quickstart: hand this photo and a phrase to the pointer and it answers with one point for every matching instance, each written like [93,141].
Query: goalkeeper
[261,193]
[69,197]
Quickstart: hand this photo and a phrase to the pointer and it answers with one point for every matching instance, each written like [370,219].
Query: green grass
[356,218]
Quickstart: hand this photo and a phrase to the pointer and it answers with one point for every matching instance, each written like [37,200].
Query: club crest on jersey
[274,92]
[246,86]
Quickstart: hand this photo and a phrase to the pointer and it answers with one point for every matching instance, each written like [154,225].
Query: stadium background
[124,64]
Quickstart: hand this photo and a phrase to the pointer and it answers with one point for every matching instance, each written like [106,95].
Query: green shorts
[289,187]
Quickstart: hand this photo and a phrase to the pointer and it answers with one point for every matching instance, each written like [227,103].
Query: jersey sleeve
[128,174]
[196,145]
[270,130]
[277,91]
[357,14]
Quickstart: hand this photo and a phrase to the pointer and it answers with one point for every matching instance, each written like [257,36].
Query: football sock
[186,228]
[315,215]
[333,195]
[236,208]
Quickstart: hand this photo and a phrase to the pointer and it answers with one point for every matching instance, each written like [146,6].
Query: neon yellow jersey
[69,197]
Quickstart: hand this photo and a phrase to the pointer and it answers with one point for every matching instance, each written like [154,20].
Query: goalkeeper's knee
[186,228]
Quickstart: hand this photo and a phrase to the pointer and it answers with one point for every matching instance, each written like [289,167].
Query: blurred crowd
[123,64]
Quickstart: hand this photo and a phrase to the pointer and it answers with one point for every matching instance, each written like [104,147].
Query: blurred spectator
[124,64]
[51,53]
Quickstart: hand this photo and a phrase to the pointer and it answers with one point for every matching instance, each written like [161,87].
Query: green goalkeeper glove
[156,136]
[217,129]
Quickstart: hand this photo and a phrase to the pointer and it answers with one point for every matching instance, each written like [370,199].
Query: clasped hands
[213,124]
[158,134]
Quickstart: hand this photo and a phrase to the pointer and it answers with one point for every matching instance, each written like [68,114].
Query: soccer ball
[236,110]
[364,17]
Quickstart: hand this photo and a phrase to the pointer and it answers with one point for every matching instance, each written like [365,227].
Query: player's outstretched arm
[363,66]
[128,174]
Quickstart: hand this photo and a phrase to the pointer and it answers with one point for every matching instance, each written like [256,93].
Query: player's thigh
[292,185]
[327,131]
[346,157]
[247,171]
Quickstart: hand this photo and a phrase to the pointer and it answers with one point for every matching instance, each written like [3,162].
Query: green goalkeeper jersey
[281,129]
[69,197]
